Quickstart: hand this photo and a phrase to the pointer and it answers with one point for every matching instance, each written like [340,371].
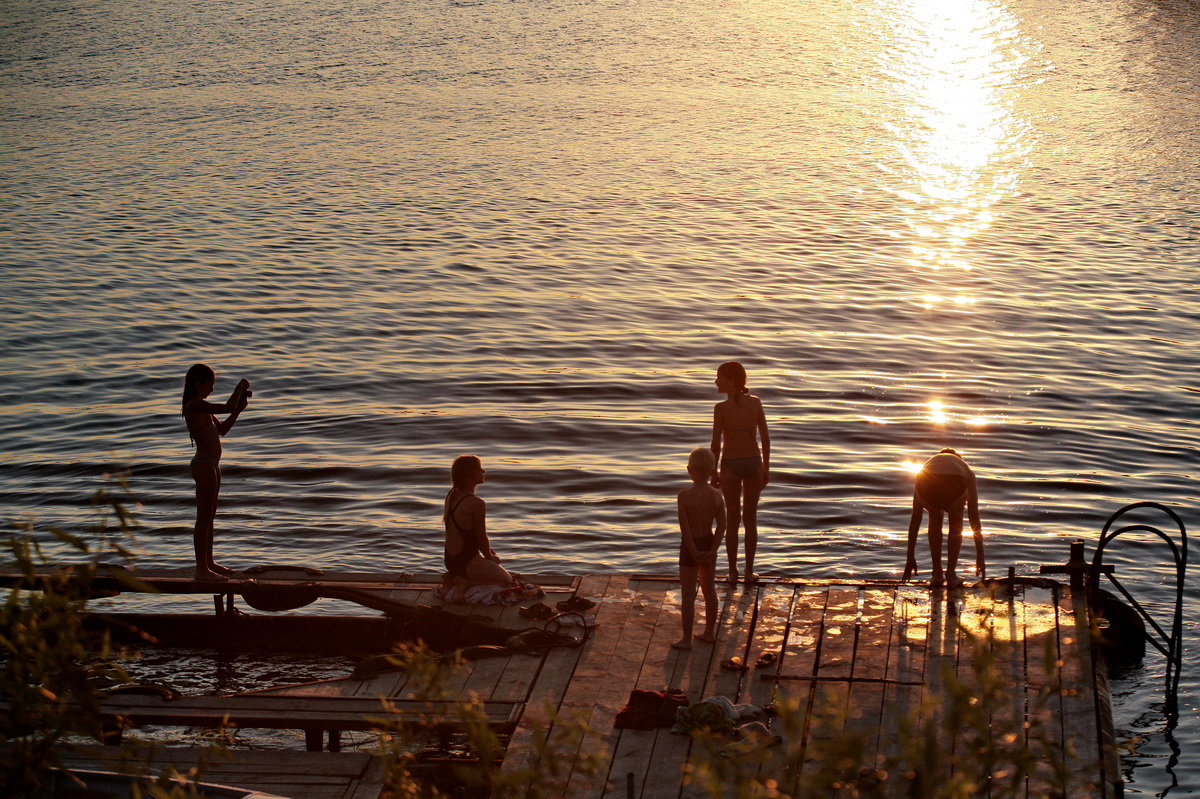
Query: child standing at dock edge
[946,485]
[744,470]
[700,507]
[206,432]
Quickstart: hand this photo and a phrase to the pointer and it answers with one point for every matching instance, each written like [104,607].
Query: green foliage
[951,745]
[53,672]
[560,749]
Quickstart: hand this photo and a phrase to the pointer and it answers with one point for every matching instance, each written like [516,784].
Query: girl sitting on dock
[945,484]
[470,559]
[206,432]
[699,508]
[744,470]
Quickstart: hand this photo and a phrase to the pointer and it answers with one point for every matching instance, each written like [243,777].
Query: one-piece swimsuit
[457,564]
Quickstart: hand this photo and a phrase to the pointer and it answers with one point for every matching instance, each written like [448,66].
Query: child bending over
[945,484]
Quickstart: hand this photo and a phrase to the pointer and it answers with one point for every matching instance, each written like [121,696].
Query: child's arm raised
[236,404]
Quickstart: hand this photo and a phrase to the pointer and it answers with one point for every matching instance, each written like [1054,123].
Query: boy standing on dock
[700,507]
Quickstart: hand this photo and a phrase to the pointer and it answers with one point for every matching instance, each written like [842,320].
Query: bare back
[699,508]
[738,421]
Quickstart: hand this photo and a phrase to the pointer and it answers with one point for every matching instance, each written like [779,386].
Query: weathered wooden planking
[551,682]
[664,760]
[1044,709]
[864,707]
[1082,737]
[804,620]
[369,784]
[834,664]
[645,647]
[319,775]
[739,620]
[285,712]
[603,673]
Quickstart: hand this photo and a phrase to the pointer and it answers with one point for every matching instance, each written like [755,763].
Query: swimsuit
[703,543]
[457,564]
[196,461]
[742,468]
[939,491]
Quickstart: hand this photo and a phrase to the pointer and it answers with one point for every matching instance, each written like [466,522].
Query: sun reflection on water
[954,69]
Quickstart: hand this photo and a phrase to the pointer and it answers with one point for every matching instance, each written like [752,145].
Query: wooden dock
[877,682]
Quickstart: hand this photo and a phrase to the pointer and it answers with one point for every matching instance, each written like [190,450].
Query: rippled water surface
[533,230]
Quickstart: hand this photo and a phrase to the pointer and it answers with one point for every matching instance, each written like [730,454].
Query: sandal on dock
[539,611]
[734,664]
[575,604]
[766,659]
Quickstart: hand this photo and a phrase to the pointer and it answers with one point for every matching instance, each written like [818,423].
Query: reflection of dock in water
[853,658]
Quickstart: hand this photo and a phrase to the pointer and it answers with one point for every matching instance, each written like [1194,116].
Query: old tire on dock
[276,598]
[1119,630]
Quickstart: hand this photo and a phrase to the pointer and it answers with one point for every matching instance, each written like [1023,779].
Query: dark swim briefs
[743,468]
[941,491]
[703,543]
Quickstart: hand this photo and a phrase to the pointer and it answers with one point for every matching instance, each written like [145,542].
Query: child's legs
[687,581]
[208,486]
[935,541]
[753,489]
[954,540]
[731,487]
[708,584]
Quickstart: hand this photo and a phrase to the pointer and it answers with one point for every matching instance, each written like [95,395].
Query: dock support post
[314,740]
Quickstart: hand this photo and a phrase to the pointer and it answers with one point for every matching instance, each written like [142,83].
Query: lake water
[533,230]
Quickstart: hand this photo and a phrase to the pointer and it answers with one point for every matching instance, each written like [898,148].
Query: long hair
[199,373]
[732,370]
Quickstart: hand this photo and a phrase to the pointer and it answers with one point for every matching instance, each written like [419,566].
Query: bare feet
[205,574]
[707,638]
[217,568]
[733,576]
[682,643]
[751,578]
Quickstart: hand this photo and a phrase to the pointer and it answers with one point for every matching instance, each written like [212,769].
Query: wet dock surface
[904,677]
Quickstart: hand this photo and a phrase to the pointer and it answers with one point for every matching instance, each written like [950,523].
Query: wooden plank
[517,680]
[1082,737]
[644,652]
[1044,695]
[864,706]
[594,684]
[281,712]
[370,782]
[912,619]
[799,660]
[658,766]
[484,675]
[554,676]
[834,664]
[320,775]
[1007,711]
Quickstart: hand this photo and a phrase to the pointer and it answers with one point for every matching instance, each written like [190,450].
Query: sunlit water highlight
[533,231]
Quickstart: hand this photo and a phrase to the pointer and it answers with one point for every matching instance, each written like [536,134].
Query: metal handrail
[1173,649]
